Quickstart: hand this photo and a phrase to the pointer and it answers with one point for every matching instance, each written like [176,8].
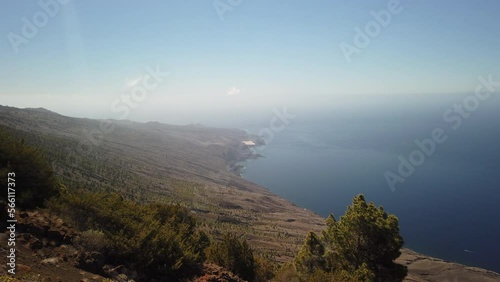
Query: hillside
[191,165]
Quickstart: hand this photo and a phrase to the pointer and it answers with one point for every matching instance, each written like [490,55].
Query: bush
[287,273]
[34,179]
[234,254]
[264,268]
[159,241]
[94,240]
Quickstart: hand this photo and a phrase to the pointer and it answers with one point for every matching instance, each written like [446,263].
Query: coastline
[242,151]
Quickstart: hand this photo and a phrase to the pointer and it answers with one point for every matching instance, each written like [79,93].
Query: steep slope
[182,164]
[189,165]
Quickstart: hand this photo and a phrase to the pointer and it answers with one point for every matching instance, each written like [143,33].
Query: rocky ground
[47,251]
[423,268]
[215,273]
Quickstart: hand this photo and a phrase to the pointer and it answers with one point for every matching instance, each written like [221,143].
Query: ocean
[448,207]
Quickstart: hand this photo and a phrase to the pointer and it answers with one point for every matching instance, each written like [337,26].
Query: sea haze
[448,208]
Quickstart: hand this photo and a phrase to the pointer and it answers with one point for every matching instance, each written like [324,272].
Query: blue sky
[261,55]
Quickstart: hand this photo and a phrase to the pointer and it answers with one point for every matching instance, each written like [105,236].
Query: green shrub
[34,179]
[157,240]
[234,254]
[264,268]
[94,240]
[287,273]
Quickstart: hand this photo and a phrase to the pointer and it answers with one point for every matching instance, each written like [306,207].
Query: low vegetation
[156,240]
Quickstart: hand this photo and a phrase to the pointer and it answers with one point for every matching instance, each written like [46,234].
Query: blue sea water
[448,208]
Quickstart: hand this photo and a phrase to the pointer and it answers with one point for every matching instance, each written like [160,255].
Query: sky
[185,61]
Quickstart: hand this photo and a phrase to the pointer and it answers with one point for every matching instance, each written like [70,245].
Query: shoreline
[242,151]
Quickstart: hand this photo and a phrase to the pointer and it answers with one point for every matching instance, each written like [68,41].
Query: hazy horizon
[353,106]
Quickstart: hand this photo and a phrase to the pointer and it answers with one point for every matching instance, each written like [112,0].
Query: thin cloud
[233,91]
[134,82]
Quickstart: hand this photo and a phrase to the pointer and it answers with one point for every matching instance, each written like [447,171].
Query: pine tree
[365,237]
[310,257]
